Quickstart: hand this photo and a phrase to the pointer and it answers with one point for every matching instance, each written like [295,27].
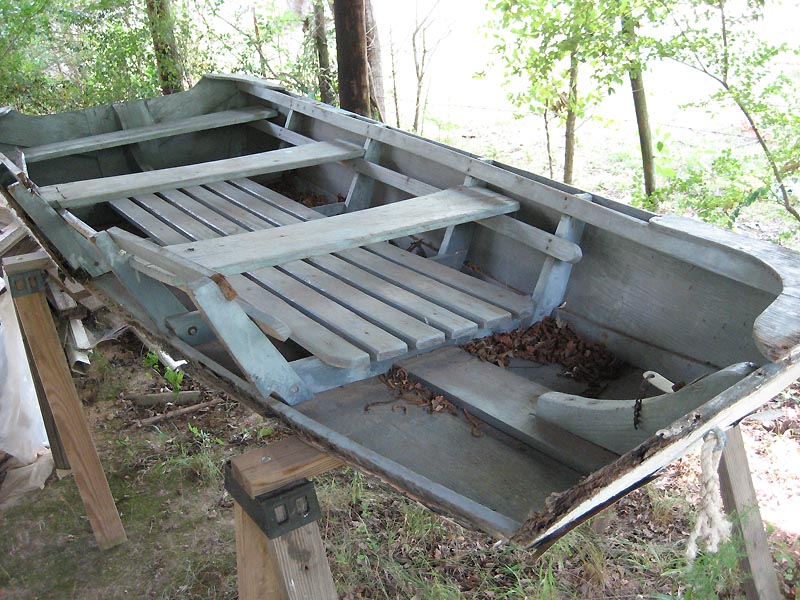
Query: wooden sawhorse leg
[279,551]
[24,275]
[739,497]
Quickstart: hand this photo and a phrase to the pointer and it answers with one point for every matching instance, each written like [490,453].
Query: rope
[712,528]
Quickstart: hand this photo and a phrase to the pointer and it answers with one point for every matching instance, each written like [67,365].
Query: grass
[380,545]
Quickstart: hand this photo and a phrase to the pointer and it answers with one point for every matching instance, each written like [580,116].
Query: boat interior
[339,270]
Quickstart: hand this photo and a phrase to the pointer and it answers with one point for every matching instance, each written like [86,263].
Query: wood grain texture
[279,464]
[536,192]
[300,555]
[493,472]
[49,360]
[505,401]
[257,571]
[249,251]
[548,243]
[93,191]
[305,331]
[610,423]
[739,499]
[140,134]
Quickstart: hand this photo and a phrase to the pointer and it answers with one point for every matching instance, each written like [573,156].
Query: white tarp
[22,432]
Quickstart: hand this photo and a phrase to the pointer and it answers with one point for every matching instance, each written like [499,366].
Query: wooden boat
[177,210]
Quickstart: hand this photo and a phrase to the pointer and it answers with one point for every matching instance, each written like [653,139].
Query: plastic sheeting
[22,431]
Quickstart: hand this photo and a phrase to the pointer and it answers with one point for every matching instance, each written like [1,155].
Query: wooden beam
[93,191]
[740,501]
[153,132]
[288,460]
[59,389]
[548,243]
[551,287]
[292,566]
[250,251]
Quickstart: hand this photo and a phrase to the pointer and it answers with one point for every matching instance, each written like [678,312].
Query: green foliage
[712,575]
[174,377]
[720,39]
[196,457]
[58,55]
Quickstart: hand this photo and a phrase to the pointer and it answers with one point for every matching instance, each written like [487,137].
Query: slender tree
[640,107]
[168,58]
[351,55]
[374,61]
[321,44]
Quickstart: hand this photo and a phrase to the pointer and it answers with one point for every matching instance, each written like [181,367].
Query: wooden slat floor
[345,308]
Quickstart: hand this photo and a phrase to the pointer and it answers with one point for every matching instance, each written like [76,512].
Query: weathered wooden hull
[166,205]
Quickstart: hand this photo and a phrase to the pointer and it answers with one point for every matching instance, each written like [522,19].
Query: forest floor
[167,484]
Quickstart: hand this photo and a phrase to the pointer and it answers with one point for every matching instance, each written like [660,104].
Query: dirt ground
[166,481]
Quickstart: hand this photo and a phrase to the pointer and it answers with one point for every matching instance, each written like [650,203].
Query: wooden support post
[25,277]
[292,566]
[739,499]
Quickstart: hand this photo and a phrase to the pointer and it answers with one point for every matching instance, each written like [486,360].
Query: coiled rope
[712,527]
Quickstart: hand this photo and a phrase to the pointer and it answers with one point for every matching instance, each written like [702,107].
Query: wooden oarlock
[25,278]
[279,551]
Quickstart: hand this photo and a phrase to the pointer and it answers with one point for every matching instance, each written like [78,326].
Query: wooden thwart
[248,251]
[154,132]
[94,191]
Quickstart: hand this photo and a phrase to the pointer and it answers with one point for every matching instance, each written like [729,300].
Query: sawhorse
[25,277]
[279,551]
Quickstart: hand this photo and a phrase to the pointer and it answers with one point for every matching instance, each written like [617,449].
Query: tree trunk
[321,42]
[168,59]
[572,116]
[643,123]
[377,93]
[351,52]
[640,107]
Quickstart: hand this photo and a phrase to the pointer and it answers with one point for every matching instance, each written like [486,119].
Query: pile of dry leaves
[550,341]
[417,394]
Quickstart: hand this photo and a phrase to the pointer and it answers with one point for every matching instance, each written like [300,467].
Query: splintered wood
[417,394]
[550,341]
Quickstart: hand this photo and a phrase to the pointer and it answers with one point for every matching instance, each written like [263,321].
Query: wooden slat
[548,243]
[740,500]
[312,336]
[411,278]
[505,401]
[198,220]
[414,332]
[245,252]
[93,191]
[140,134]
[252,212]
[509,300]
[280,463]
[345,324]
[485,314]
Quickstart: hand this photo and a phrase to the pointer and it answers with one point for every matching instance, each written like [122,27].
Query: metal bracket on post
[280,511]
[24,284]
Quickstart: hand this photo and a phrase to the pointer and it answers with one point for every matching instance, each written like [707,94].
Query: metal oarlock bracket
[280,511]
[24,284]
